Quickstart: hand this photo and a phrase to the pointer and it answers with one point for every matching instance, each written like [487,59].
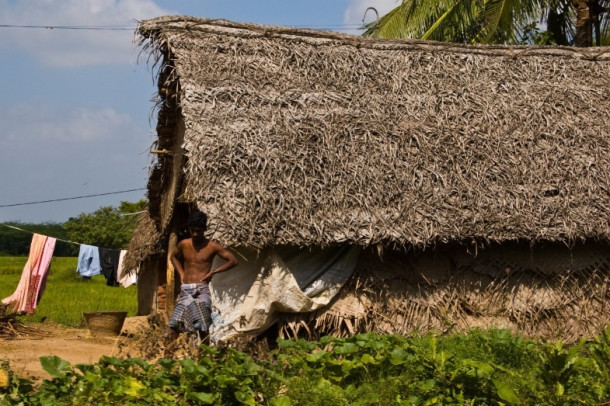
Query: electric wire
[71,198]
[131,28]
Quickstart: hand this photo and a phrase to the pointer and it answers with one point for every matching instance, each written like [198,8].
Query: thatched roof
[294,136]
[146,241]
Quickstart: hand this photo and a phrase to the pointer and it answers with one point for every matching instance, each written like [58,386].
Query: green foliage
[533,35]
[67,295]
[108,227]
[488,22]
[220,377]
[483,367]
[13,389]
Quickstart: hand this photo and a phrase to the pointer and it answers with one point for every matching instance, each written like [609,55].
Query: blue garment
[88,261]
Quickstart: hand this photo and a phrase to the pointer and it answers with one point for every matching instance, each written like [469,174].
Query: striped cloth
[193,309]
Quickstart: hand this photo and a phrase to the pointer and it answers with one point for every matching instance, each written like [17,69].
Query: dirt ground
[70,344]
[145,337]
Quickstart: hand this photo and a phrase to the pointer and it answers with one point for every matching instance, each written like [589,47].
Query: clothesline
[33,232]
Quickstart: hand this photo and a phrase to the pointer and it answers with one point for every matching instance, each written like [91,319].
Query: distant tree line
[108,227]
[17,243]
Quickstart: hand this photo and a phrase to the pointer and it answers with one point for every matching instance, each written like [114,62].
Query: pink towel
[33,278]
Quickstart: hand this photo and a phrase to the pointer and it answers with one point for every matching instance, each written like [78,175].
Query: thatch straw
[565,300]
[146,241]
[315,138]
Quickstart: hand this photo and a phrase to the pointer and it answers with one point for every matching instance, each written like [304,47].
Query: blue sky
[75,110]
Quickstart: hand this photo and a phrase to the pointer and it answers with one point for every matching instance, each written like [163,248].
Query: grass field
[67,295]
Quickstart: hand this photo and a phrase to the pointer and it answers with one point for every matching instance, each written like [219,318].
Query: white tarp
[249,297]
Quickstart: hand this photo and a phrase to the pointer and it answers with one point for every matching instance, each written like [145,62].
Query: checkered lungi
[193,309]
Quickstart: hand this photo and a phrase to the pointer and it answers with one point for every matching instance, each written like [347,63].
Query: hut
[455,186]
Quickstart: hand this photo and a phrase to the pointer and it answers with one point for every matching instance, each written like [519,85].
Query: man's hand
[208,277]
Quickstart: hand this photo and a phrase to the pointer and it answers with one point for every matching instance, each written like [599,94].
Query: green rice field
[67,295]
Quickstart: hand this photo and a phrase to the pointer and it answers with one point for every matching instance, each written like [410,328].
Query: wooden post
[148,281]
[170,301]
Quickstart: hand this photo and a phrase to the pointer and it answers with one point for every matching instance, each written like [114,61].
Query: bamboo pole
[170,301]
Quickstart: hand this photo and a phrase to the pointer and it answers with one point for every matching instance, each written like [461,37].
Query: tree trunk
[584,24]
[586,17]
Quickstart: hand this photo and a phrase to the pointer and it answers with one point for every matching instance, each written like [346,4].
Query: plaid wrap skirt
[193,309]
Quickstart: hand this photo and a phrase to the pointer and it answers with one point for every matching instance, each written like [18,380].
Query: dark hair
[198,219]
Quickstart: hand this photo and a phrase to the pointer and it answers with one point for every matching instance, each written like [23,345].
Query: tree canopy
[108,227]
[561,22]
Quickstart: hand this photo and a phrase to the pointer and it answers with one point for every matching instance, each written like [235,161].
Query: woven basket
[104,324]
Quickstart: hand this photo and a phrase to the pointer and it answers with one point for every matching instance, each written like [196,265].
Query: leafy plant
[482,367]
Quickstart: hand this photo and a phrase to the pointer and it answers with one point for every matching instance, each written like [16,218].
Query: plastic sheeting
[250,297]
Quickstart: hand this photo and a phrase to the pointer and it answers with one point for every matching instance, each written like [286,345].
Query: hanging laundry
[33,278]
[88,261]
[125,277]
[109,263]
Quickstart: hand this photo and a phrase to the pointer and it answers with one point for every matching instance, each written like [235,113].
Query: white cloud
[27,125]
[49,151]
[355,11]
[75,48]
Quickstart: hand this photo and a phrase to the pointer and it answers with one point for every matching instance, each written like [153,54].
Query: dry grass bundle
[12,328]
[152,340]
[313,138]
[146,241]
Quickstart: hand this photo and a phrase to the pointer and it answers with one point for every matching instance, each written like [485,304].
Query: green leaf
[245,398]
[398,356]
[91,377]
[505,392]
[116,362]
[347,365]
[204,398]
[223,380]
[479,368]
[55,366]
[315,356]
[428,384]
[346,348]
[167,364]
[188,365]
[367,359]
[282,401]
[133,387]
[559,389]
[328,339]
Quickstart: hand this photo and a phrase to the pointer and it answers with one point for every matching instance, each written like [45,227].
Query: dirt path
[72,345]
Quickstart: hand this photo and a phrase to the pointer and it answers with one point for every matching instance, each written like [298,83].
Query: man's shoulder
[185,241]
[215,244]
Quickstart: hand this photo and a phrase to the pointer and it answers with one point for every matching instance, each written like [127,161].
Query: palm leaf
[490,16]
[438,24]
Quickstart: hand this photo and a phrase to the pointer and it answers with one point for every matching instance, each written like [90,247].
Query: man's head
[198,223]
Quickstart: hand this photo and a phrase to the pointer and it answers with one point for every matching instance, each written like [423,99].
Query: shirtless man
[193,259]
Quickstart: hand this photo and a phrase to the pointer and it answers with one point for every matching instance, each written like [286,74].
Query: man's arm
[176,260]
[230,261]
